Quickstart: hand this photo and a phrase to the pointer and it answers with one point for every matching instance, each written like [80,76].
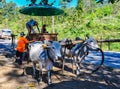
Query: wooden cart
[44,36]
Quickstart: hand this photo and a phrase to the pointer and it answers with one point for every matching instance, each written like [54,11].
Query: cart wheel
[92,61]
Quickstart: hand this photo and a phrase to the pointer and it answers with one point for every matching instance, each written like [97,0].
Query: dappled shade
[41,10]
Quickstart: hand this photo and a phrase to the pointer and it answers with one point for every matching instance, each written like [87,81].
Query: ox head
[58,48]
[91,43]
[55,49]
[84,47]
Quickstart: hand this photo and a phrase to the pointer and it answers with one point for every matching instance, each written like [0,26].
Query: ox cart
[78,50]
[45,57]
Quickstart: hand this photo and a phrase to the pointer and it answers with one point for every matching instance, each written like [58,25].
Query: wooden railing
[107,41]
[110,40]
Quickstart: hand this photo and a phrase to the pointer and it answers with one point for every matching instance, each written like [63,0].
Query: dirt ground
[11,77]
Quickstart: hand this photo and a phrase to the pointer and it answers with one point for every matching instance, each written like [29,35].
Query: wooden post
[108,44]
[101,43]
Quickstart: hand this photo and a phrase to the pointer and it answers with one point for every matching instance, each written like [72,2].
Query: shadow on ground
[77,84]
[104,78]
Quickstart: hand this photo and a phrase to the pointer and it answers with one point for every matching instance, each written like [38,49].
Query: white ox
[79,51]
[45,54]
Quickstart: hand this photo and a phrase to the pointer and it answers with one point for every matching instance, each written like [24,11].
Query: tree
[42,2]
[109,1]
[67,0]
[100,1]
[64,3]
[7,12]
[112,1]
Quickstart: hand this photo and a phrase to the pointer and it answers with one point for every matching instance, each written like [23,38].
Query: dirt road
[11,78]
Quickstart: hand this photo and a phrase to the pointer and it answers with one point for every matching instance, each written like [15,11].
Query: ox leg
[40,72]
[34,70]
[24,72]
[77,67]
[49,67]
[49,77]
[63,65]
[73,64]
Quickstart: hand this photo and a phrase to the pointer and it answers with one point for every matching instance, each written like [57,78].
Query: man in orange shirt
[21,44]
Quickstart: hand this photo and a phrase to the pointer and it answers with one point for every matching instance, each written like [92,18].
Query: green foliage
[95,20]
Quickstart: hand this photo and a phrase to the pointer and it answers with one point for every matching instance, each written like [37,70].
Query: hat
[22,34]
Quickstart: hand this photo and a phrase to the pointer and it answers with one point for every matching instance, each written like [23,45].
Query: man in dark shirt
[29,26]
[43,30]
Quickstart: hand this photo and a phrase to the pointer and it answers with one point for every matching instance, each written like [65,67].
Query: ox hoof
[77,72]
[40,82]
[49,82]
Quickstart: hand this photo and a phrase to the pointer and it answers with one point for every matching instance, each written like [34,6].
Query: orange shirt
[21,44]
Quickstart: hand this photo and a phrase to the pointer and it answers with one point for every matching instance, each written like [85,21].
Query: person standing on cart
[43,30]
[29,26]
